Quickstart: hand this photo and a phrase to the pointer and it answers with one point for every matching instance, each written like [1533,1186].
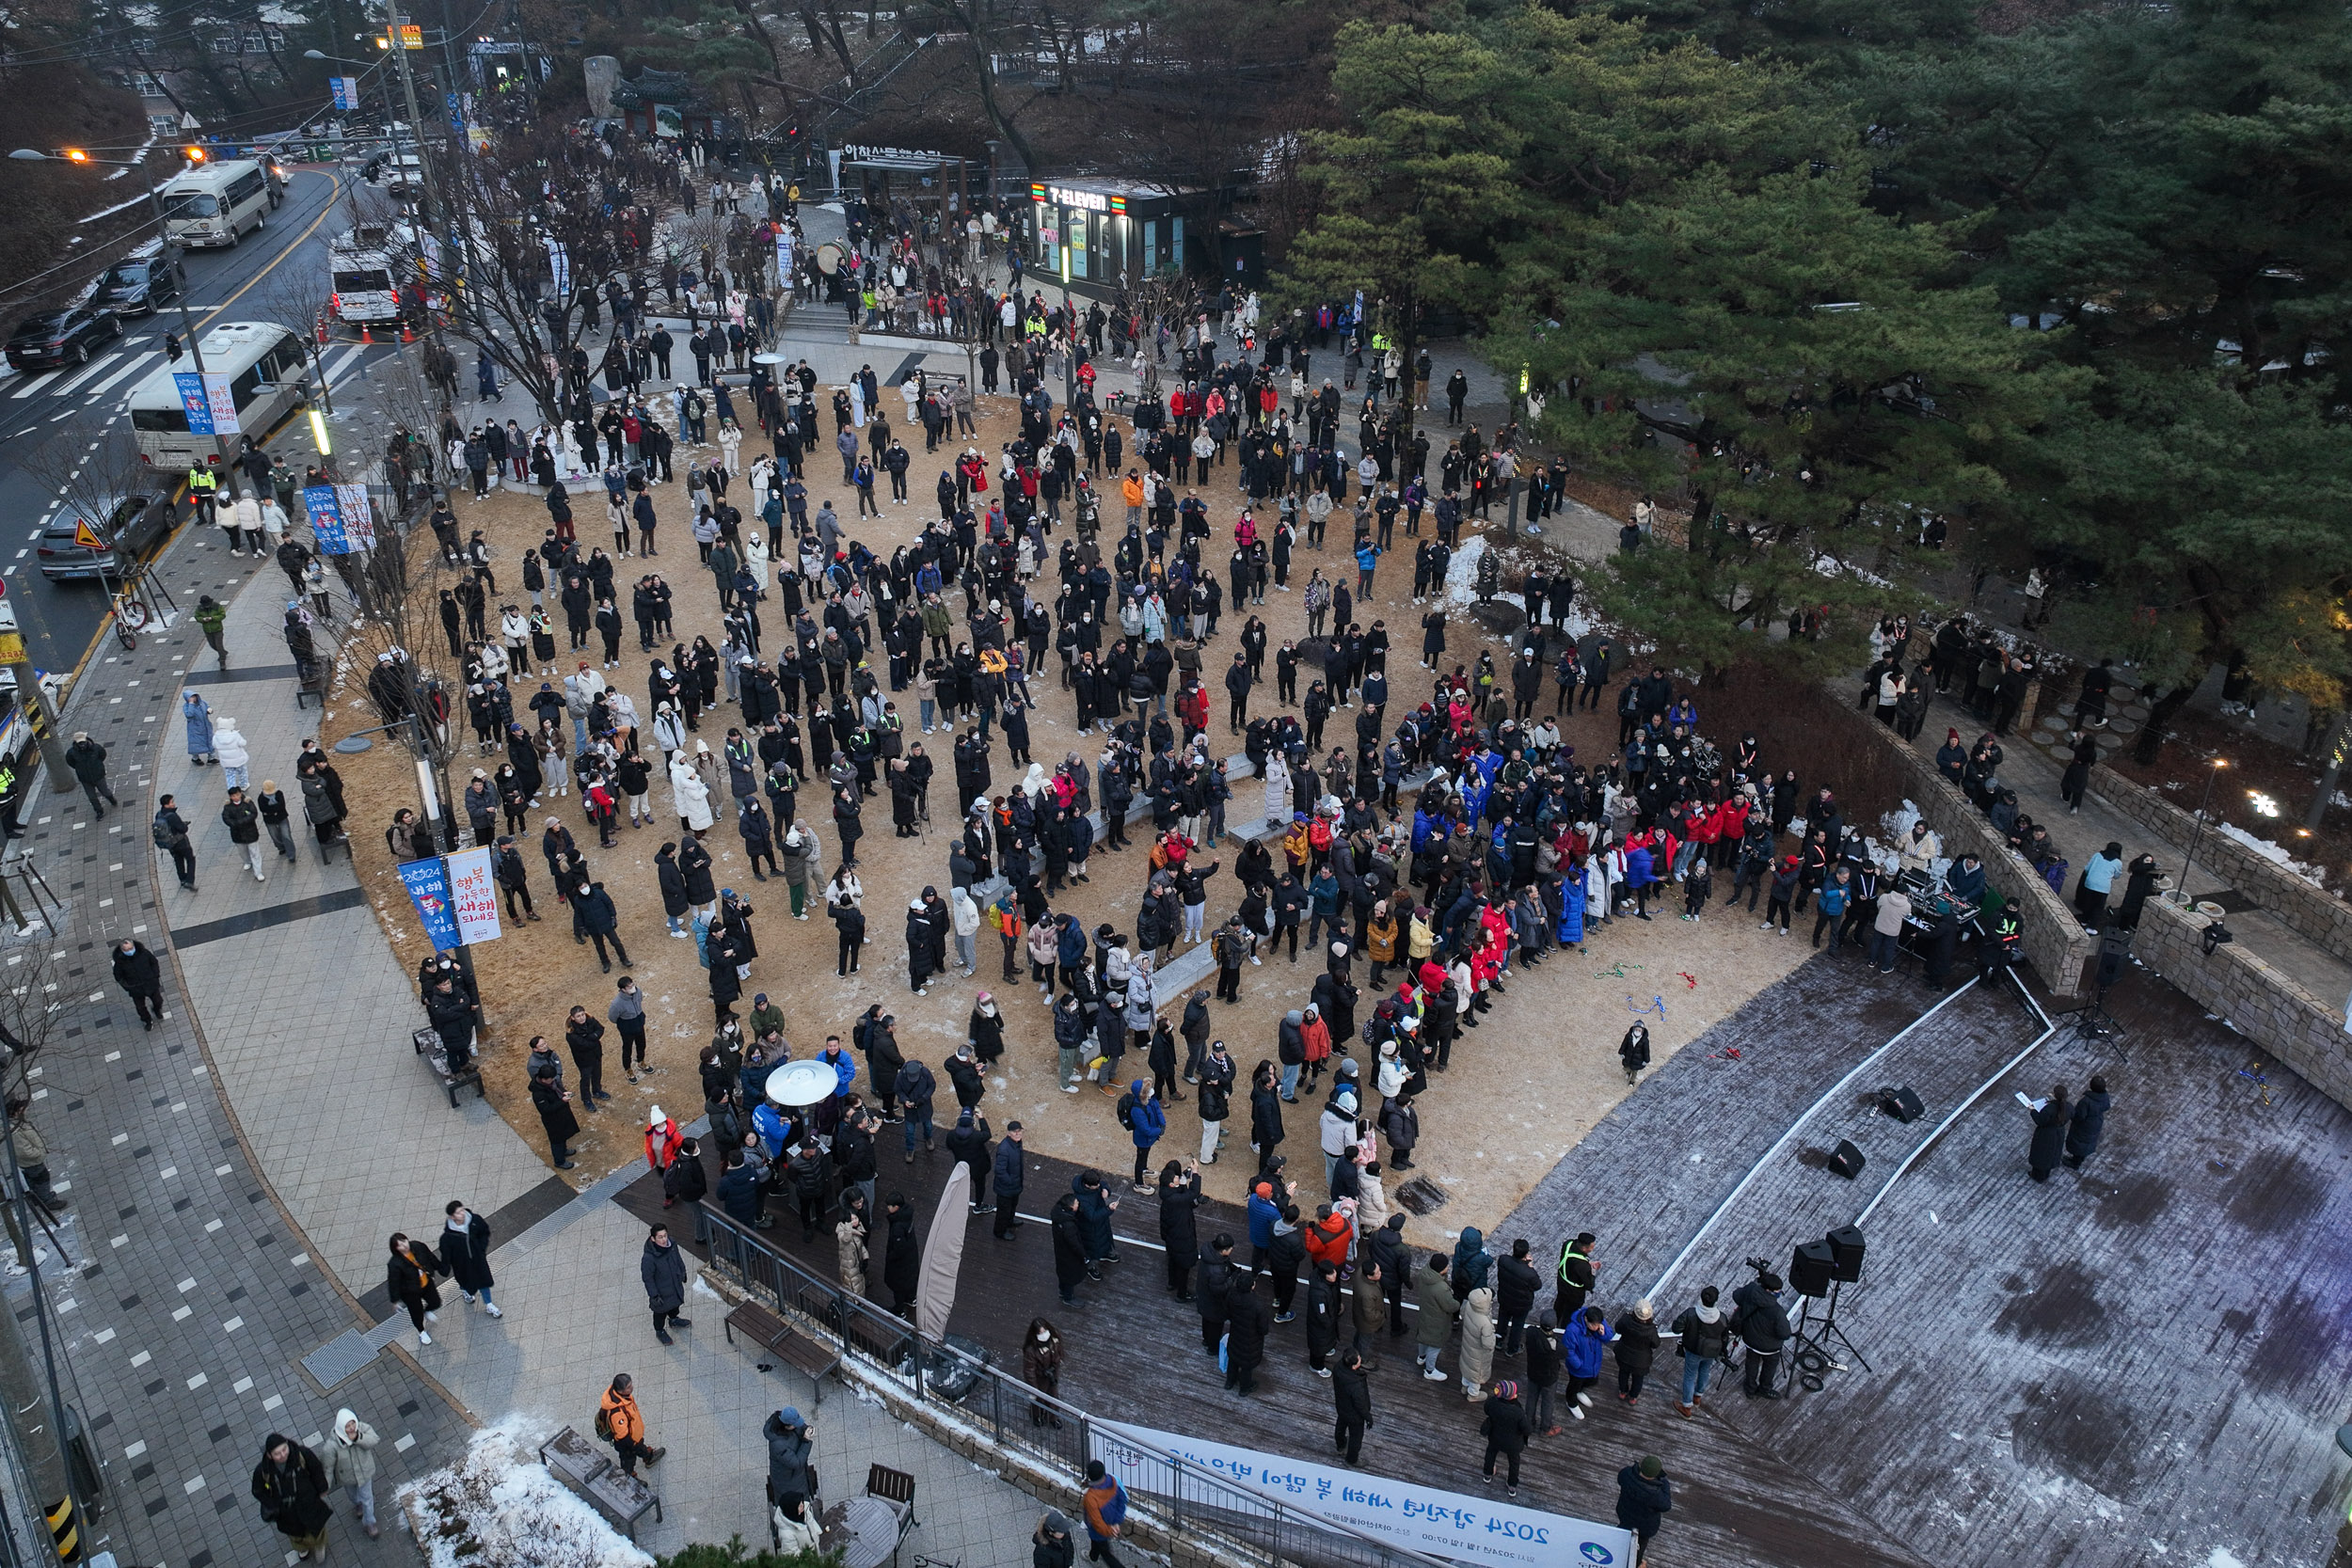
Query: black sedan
[131,526]
[138,285]
[62,337]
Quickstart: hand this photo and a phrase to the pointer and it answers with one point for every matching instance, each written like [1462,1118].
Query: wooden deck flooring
[2139,1363]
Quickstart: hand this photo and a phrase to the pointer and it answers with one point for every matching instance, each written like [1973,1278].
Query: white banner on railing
[1407,1514]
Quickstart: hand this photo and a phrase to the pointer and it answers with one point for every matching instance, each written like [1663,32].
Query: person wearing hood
[1633,1052]
[926,941]
[231,750]
[1478,1337]
[662,1268]
[2085,1124]
[198,716]
[1336,1129]
[964,917]
[1140,1112]
[349,1463]
[1052,1545]
[791,1478]
[1040,1367]
[984,1033]
[291,1485]
[914,1088]
[1705,1336]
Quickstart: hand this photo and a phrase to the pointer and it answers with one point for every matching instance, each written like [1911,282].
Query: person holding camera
[1763,1328]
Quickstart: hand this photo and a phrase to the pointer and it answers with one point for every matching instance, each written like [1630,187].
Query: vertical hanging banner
[427,881]
[327,519]
[346,91]
[210,405]
[473,891]
[359,516]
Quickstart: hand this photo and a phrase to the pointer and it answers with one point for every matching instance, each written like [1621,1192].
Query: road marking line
[87,371]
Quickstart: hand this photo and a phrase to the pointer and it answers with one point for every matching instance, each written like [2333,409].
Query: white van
[265,366]
[368,268]
[217,204]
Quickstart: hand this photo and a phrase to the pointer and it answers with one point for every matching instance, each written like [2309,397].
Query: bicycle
[129,618]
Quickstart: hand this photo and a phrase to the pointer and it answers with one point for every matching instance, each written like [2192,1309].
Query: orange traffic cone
[407,333]
[366,336]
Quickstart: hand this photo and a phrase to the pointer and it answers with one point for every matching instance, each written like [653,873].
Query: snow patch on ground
[1830,567]
[2270,851]
[1461,586]
[499,1505]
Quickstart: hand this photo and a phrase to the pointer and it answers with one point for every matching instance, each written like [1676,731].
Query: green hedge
[735,1555]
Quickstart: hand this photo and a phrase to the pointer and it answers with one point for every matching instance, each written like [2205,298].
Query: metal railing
[1216,1514]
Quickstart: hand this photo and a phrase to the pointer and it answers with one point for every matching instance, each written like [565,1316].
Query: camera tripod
[1815,1340]
[2095,1025]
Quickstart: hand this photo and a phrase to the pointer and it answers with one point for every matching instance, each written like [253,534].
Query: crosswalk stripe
[88,370]
[137,363]
[34,382]
[336,367]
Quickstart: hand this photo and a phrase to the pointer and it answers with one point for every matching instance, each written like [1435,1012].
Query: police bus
[265,366]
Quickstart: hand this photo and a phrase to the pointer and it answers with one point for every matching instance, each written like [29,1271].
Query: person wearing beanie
[1105,1511]
[1644,1496]
[1506,1431]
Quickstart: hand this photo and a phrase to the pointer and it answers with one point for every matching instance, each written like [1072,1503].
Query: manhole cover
[1420,1195]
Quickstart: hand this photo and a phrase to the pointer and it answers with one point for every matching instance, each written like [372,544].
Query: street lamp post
[28,680]
[155,204]
[2181,895]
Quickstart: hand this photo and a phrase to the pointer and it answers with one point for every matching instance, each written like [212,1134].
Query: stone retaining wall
[2054,941]
[2297,1029]
[2311,913]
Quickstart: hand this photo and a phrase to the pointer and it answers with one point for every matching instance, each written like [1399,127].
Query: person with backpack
[1140,1112]
[1105,1511]
[1705,1334]
[620,1423]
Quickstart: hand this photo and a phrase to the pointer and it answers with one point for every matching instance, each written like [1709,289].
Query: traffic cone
[407,333]
[366,336]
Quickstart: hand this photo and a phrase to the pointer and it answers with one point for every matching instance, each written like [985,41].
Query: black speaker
[1901,1102]
[1845,1253]
[1810,1269]
[1846,1160]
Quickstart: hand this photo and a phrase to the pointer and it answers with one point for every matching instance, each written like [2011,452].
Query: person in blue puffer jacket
[1581,1345]
[1141,1114]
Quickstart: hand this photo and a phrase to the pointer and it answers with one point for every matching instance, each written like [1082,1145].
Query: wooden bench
[620,1496]
[436,1055]
[786,1343]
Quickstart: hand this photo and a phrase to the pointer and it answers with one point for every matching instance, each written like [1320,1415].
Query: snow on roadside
[499,1505]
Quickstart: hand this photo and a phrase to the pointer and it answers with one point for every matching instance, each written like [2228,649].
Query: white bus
[265,363]
[215,204]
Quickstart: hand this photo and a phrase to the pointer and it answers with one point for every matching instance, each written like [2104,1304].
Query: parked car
[131,526]
[140,282]
[62,337]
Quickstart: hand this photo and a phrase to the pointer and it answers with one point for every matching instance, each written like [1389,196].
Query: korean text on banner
[474,889]
[359,516]
[1423,1518]
[427,881]
[208,401]
[327,519]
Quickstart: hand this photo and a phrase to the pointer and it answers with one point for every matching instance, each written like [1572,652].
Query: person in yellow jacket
[619,1423]
[203,490]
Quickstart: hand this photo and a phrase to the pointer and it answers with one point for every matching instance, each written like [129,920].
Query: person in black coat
[2049,1133]
[902,1258]
[1644,1495]
[672,881]
[1069,1248]
[140,974]
[1266,1114]
[1214,1284]
[1506,1430]
[602,921]
[1516,1281]
[408,1279]
[466,1254]
[662,1268]
[290,1483]
[1248,1320]
[1180,1196]
[685,1182]
[555,1114]
[1351,1402]
[1323,1318]
[2083,1126]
